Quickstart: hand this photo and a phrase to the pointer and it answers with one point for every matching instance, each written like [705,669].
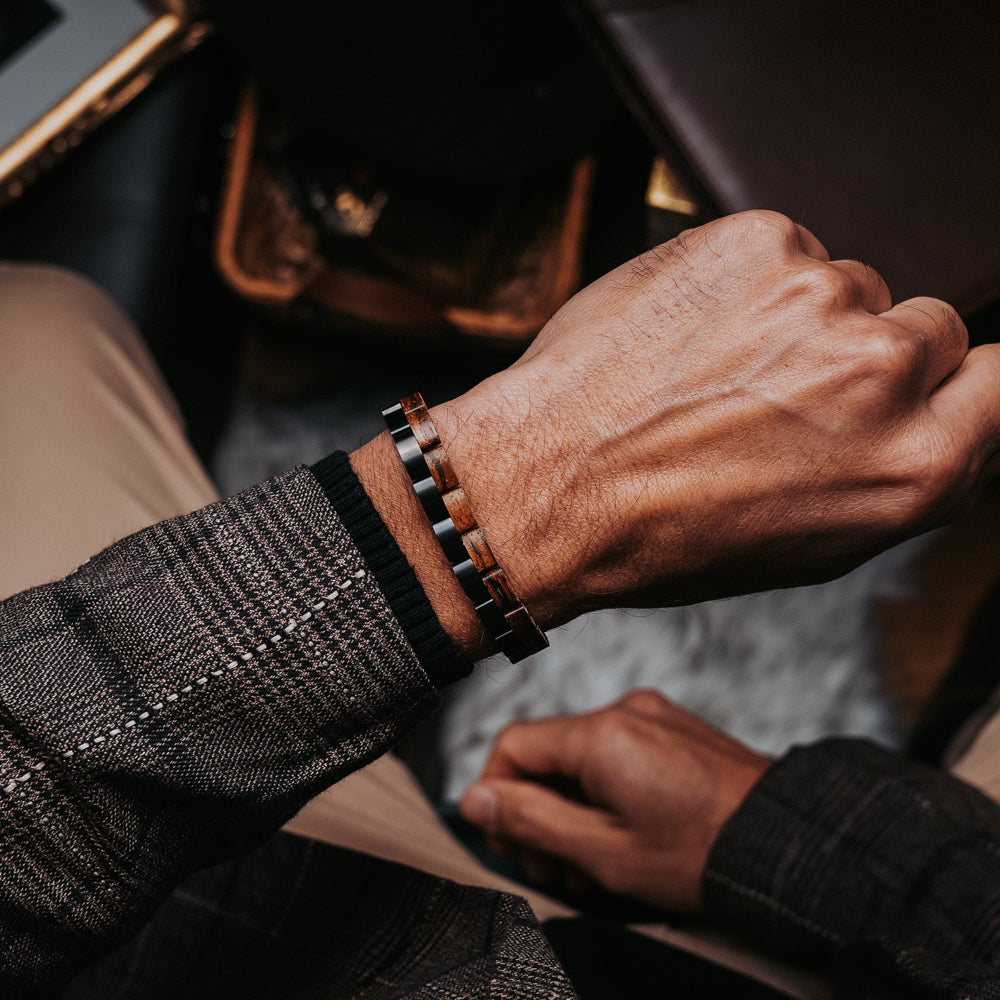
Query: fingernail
[480,805]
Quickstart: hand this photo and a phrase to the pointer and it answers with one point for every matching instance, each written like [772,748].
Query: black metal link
[450,540]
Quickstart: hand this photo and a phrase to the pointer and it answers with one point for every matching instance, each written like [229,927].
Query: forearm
[181,695]
[848,852]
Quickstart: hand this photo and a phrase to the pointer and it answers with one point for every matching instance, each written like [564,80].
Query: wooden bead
[441,469]
[419,419]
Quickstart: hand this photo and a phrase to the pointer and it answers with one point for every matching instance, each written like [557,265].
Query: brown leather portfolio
[876,125]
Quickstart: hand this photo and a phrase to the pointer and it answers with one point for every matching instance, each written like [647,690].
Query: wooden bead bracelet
[506,619]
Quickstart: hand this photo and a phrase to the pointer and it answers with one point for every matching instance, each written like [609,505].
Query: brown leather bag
[519,262]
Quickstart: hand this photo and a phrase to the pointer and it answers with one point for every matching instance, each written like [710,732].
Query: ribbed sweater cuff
[439,656]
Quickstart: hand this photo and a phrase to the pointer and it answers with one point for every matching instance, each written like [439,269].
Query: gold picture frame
[174,28]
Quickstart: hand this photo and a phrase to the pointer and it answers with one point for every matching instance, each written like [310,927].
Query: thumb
[537,818]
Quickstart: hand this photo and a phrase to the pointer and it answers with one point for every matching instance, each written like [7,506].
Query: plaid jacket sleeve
[177,698]
[886,869]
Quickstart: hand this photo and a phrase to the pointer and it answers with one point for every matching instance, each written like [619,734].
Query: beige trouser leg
[975,754]
[91,445]
[91,449]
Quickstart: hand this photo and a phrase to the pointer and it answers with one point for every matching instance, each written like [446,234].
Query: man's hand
[729,412]
[632,796]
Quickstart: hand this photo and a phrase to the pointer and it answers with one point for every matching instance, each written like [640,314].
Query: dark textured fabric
[489,91]
[888,869]
[174,700]
[607,961]
[300,920]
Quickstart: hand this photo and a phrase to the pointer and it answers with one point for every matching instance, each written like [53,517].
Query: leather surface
[873,124]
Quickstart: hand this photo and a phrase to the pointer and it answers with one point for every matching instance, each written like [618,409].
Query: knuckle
[757,229]
[868,273]
[505,733]
[767,223]
[953,325]
[619,730]
[760,229]
[823,287]
[609,724]
[511,727]
[864,276]
[890,351]
[645,700]
[949,324]
[507,736]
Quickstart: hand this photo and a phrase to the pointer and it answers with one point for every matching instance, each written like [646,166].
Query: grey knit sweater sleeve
[173,701]
[887,870]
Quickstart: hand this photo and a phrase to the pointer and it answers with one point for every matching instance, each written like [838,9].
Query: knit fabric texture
[887,870]
[172,702]
[437,653]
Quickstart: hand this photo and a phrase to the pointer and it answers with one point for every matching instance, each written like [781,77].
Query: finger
[649,703]
[809,245]
[869,289]
[500,845]
[538,747]
[941,332]
[577,882]
[968,405]
[537,819]
[542,869]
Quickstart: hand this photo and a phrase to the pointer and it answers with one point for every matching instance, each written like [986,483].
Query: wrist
[528,496]
[512,485]
[390,490]
[441,659]
[424,503]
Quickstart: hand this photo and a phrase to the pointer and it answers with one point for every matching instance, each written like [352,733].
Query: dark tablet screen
[48,48]
[21,21]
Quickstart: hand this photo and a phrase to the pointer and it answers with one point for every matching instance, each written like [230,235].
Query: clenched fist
[631,796]
[730,412]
